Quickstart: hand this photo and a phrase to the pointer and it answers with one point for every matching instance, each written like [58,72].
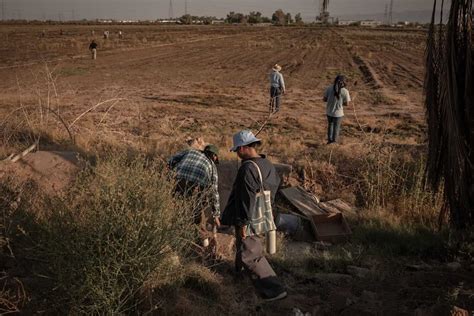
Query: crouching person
[196,174]
[255,174]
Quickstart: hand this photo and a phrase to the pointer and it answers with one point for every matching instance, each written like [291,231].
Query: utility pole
[185,7]
[3,10]
[385,15]
[170,10]
[390,15]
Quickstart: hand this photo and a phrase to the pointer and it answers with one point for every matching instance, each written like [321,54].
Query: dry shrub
[116,228]
[394,182]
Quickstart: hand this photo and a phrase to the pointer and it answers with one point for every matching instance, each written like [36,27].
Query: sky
[153,9]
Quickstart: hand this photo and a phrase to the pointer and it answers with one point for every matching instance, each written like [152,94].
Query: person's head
[339,83]
[276,67]
[212,152]
[245,144]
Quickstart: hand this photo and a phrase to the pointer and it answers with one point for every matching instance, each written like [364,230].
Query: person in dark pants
[336,97]
[241,210]
[277,88]
[93,48]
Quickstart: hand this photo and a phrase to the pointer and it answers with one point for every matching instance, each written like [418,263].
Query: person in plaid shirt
[196,173]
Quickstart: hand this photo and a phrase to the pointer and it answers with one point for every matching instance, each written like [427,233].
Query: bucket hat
[243,138]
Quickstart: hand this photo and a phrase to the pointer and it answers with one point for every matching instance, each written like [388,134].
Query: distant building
[218,22]
[345,23]
[370,23]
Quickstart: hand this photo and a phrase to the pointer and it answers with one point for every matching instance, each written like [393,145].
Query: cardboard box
[331,228]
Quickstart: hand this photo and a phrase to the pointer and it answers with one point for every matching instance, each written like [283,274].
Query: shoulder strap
[259,174]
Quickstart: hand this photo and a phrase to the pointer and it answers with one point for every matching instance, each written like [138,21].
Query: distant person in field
[93,48]
[92,33]
[277,88]
[196,173]
[120,34]
[336,97]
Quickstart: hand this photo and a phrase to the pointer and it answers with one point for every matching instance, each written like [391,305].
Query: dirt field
[160,85]
[212,81]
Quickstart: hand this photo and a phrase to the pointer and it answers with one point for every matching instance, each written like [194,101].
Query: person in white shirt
[336,97]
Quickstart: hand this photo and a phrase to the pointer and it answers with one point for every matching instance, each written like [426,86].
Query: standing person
[120,34]
[93,49]
[196,173]
[277,88]
[336,97]
[240,212]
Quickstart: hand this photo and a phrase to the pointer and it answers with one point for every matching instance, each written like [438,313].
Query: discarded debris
[331,227]
[305,203]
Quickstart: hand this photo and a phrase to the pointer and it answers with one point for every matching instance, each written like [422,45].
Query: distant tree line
[279,17]
[192,19]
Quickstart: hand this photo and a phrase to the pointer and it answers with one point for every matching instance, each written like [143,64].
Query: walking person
[93,48]
[241,213]
[277,88]
[336,97]
[196,173]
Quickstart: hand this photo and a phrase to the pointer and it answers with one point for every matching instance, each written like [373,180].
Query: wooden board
[337,206]
[302,201]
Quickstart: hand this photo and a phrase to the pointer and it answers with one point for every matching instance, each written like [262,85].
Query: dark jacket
[246,186]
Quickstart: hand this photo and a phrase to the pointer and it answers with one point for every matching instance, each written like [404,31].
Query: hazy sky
[152,9]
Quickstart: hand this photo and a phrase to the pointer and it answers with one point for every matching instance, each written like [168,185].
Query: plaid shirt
[193,165]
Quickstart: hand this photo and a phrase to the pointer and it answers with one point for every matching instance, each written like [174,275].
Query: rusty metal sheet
[303,201]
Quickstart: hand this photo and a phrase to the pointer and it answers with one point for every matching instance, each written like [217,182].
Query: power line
[170,10]
[390,14]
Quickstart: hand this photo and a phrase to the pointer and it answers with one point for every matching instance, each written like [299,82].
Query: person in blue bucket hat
[256,171]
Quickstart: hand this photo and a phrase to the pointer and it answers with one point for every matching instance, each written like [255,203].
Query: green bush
[112,232]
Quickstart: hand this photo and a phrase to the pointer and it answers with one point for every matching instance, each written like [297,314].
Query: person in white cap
[240,211]
[277,88]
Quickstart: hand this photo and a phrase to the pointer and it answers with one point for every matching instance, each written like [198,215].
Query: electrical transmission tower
[323,11]
[390,14]
[385,15]
[170,10]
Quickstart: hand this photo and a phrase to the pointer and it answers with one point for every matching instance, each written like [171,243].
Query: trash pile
[298,213]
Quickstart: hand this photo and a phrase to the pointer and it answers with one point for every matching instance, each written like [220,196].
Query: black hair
[254,144]
[339,83]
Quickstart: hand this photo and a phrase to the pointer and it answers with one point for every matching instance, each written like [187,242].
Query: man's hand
[243,233]
[217,221]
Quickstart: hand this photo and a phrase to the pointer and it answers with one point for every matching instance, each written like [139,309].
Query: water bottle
[271,242]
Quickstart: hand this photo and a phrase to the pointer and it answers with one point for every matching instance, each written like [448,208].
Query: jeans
[334,128]
[275,95]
